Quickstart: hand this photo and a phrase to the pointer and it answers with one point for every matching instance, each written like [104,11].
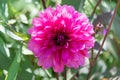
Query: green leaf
[23,36]
[12,11]
[4,59]
[2,48]
[14,68]
[3,10]
[17,35]
[47,3]
[1,75]
[116,26]
[26,69]
[78,4]
[25,75]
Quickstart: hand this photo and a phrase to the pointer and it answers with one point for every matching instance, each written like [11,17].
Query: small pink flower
[61,37]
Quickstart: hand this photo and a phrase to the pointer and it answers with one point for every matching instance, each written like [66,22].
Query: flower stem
[57,76]
[109,26]
[95,8]
[43,2]
[64,74]
[92,50]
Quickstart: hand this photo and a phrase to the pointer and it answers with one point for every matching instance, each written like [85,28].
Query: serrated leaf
[78,4]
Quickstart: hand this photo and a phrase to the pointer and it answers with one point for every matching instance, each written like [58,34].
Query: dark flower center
[61,39]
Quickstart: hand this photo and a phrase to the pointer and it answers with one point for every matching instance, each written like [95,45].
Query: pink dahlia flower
[61,37]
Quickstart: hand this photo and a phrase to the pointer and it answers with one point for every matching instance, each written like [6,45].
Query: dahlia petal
[65,55]
[41,60]
[65,13]
[36,51]
[37,22]
[61,37]
[31,44]
[48,62]
[58,64]
[85,53]
[30,30]
[77,45]
[80,59]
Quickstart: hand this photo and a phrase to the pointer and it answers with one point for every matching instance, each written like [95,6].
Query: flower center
[61,39]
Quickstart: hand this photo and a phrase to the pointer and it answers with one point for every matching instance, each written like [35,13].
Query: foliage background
[18,63]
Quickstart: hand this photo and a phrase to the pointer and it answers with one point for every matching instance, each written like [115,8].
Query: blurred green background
[18,63]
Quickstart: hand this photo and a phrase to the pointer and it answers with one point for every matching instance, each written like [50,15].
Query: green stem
[57,76]
[95,8]
[44,5]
